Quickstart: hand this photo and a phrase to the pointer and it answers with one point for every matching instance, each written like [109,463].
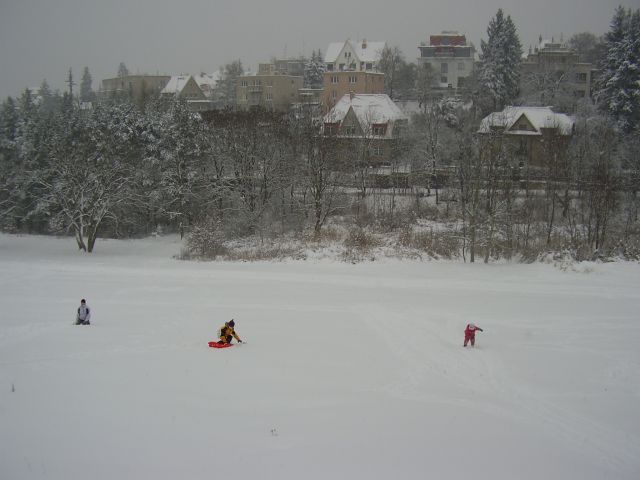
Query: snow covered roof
[176,84]
[371,52]
[368,108]
[538,117]
[207,79]
[207,82]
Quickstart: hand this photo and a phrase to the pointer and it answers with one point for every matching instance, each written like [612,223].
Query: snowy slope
[350,371]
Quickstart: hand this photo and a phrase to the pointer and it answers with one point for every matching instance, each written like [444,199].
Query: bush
[206,241]
[438,244]
[359,238]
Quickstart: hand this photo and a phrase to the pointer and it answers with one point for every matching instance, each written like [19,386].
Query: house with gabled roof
[351,67]
[368,125]
[207,82]
[362,56]
[185,87]
[530,131]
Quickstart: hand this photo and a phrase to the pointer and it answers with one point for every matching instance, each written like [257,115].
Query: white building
[355,56]
[450,57]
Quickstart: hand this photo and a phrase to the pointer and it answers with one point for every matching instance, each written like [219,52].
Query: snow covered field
[349,371]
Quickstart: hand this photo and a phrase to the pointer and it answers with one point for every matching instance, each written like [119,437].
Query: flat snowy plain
[349,371]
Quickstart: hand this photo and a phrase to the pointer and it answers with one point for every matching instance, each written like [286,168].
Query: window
[243,83]
[353,79]
[269,96]
[369,66]
[522,147]
[334,79]
[377,151]
[378,130]
[329,129]
[349,130]
[333,94]
[341,66]
[329,67]
[581,77]
[443,79]
[461,66]
[444,68]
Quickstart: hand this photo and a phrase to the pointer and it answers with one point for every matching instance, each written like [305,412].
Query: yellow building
[268,89]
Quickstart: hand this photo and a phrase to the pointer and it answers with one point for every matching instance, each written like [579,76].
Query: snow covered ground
[349,371]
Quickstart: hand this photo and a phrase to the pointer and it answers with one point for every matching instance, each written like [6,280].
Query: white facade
[350,55]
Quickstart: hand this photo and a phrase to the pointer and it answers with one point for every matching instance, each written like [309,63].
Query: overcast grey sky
[44,38]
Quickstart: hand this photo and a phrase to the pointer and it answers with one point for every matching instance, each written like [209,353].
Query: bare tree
[88,173]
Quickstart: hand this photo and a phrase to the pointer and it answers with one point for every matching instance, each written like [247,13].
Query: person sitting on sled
[227,332]
[84,313]
[470,334]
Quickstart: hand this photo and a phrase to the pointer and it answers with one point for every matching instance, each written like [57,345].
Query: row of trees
[118,171]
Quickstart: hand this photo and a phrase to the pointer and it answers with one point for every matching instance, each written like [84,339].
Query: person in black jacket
[227,332]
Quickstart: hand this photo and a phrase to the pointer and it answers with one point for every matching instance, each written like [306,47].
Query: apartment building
[268,89]
[451,58]
[558,59]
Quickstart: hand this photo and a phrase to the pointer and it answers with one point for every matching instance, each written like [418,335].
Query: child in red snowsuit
[470,334]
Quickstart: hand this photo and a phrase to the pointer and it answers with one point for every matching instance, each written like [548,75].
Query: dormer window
[379,130]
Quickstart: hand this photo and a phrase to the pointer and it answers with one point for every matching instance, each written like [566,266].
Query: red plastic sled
[219,345]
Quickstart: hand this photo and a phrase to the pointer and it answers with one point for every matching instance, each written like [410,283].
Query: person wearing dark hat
[227,332]
[84,313]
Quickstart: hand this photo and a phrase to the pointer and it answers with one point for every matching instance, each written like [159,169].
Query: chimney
[351,95]
[364,43]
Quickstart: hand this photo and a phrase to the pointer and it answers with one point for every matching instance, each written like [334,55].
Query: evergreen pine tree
[48,101]
[619,85]
[86,93]
[500,61]
[314,71]
[123,71]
